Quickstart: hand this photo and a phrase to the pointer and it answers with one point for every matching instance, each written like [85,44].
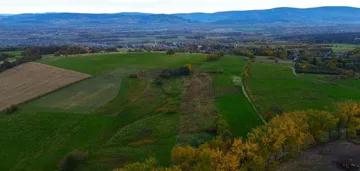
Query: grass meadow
[275,89]
[120,120]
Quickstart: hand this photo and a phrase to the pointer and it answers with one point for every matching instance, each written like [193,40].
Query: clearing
[322,157]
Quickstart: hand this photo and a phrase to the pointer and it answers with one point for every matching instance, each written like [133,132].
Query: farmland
[110,116]
[343,47]
[28,81]
[275,89]
[120,119]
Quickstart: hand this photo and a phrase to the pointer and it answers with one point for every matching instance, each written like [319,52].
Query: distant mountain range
[292,16]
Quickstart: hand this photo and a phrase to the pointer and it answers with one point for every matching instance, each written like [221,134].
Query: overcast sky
[157,6]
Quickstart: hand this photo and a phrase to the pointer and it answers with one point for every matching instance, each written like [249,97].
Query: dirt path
[238,82]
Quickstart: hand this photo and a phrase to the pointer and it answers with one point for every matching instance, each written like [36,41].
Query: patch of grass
[230,100]
[37,141]
[238,113]
[274,85]
[43,131]
[343,47]
[83,97]
[16,53]
[100,63]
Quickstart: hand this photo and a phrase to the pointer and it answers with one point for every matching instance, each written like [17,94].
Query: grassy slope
[38,139]
[229,98]
[274,86]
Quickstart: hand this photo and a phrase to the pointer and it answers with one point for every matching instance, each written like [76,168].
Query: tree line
[283,137]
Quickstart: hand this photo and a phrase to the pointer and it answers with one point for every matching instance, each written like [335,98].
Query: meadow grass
[343,47]
[45,130]
[100,63]
[274,88]
[16,53]
[229,98]
[37,141]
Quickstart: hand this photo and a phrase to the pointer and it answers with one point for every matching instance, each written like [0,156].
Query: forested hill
[292,16]
[318,15]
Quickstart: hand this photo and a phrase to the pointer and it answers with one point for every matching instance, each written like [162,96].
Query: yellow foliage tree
[283,135]
[349,116]
[321,123]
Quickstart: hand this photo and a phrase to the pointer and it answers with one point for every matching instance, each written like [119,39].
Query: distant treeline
[345,38]
[4,55]
[29,58]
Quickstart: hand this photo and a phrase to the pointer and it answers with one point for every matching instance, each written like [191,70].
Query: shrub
[170,52]
[11,109]
[57,53]
[71,161]
[167,73]
[133,76]
[167,109]
[214,57]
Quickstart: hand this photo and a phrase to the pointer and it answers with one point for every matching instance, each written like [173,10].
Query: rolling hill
[293,16]
[286,15]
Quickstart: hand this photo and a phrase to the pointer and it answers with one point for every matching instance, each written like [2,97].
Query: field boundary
[293,71]
[238,81]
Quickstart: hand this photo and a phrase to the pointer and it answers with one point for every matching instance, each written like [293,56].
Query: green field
[274,89]
[229,98]
[16,53]
[98,64]
[118,119]
[343,47]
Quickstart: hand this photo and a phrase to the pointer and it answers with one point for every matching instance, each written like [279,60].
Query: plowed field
[28,81]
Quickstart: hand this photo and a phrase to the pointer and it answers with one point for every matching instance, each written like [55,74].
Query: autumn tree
[248,154]
[284,135]
[283,54]
[349,116]
[332,64]
[321,123]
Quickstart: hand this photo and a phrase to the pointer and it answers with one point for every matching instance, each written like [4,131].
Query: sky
[158,6]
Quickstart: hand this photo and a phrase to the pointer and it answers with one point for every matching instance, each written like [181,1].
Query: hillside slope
[293,16]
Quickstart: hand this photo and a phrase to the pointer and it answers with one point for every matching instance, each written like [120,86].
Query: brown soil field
[31,80]
[197,105]
[324,157]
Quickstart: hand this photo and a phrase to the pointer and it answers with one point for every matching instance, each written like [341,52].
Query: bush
[214,57]
[168,109]
[170,52]
[57,53]
[133,76]
[73,160]
[167,73]
[11,109]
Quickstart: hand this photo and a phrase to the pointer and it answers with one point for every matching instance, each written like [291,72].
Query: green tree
[170,52]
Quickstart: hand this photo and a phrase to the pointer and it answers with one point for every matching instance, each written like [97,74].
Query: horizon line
[138,12]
